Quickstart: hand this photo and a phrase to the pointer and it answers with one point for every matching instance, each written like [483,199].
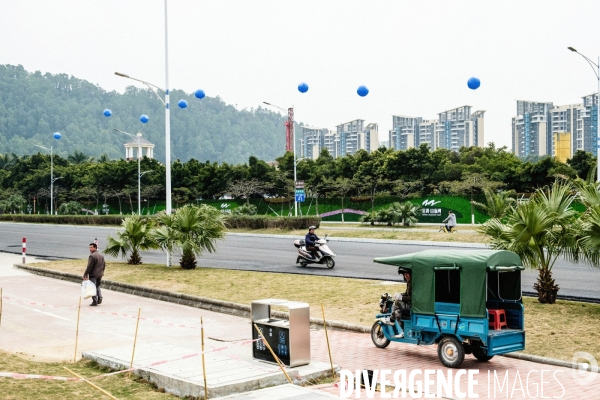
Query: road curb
[241,310]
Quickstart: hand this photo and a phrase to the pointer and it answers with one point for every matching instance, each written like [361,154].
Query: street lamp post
[295,162]
[140,174]
[597,73]
[52,178]
[138,138]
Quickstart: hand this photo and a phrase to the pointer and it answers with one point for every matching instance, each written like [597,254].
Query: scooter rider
[310,240]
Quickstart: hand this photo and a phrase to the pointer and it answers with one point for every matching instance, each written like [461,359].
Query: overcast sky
[414,56]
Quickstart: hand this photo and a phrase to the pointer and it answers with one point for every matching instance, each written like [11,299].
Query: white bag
[88,289]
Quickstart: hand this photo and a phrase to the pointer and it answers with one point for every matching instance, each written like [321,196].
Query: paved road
[271,254]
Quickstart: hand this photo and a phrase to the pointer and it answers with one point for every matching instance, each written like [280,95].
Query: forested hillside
[34,106]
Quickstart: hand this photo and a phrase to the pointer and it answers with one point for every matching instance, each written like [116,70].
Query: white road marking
[49,314]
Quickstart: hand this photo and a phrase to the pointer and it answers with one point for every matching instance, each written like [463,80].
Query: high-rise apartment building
[589,123]
[458,128]
[563,131]
[427,128]
[347,139]
[542,129]
[454,128]
[404,133]
[311,142]
[329,142]
[369,138]
[531,129]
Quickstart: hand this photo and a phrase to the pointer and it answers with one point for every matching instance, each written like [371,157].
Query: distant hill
[34,106]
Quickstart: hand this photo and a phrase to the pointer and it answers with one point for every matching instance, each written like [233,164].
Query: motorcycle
[305,257]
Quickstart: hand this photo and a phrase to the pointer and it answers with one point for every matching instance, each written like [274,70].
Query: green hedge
[460,205]
[234,221]
[268,222]
[65,219]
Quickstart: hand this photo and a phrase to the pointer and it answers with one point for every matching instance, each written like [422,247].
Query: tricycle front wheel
[377,336]
[451,352]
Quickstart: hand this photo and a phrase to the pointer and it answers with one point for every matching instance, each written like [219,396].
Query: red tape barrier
[155,321]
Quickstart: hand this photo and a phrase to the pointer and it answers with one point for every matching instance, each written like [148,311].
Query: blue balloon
[473,83]
[57,135]
[362,91]
[107,113]
[199,94]
[182,104]
[303,87]
[144,118]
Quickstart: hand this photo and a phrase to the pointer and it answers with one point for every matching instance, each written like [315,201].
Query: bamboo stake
[273,354]
[91,384]
[77,330]
[135,339]
[327,337]
[203,364]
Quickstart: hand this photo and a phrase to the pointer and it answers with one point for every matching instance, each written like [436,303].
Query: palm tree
[405,213]
[78,157]
[371,217]
[498,204]
[103,158]
[8,160]
[588,226]
[191,229]
[132,239]
[539,231]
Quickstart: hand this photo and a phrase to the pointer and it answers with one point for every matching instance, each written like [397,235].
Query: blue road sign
[300,198]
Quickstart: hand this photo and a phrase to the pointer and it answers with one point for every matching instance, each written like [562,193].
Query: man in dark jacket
[310,240]
[94,272]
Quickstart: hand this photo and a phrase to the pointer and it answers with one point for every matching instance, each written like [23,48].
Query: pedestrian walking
[94,272]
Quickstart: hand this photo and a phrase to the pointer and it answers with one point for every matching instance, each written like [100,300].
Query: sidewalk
[39,318]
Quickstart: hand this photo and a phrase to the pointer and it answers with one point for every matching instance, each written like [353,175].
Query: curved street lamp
[597,73]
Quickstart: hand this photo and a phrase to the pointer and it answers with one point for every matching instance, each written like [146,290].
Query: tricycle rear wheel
[451,352]
[481,355]
[377,336]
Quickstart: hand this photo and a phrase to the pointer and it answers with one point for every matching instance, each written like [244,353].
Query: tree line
[408,174]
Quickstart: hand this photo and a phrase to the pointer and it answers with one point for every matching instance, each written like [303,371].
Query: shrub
[64,219]
[266,222]
[70,208]
[246,209]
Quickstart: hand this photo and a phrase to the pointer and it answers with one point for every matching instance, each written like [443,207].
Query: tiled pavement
[351,351]
[354,351]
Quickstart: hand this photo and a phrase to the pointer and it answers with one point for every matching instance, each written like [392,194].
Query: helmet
[312,227]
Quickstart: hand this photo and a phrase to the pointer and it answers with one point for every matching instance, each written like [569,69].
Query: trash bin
[289,339]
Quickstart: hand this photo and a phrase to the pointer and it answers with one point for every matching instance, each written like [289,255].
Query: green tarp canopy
[472,264]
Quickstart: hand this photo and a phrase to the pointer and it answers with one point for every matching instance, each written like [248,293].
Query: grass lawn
[556,331]
[120,386]
[379,232]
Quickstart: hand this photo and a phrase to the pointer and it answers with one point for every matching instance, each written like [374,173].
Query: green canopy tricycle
[465,301]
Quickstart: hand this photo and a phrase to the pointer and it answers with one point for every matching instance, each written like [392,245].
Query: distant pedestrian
[94,272]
